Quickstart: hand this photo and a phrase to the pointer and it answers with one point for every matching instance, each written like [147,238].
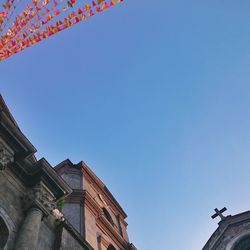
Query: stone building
[233,233]
[31,191]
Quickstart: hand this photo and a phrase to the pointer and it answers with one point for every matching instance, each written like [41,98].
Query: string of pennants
[41,20]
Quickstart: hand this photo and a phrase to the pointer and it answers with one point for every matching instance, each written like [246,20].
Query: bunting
[42,19]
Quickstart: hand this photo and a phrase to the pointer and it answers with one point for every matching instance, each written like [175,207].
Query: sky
[154,96]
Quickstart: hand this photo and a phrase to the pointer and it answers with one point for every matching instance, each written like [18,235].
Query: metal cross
[219,213]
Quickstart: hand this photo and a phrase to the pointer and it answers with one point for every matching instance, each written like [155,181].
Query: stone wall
[69,243]
[11,192]
[232,235]
[73,179]
[73,213]
[90,228]
[46,238]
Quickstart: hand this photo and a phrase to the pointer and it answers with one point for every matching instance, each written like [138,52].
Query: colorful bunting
[40,20]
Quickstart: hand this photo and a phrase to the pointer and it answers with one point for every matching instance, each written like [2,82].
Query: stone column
[38,202]
[29,232]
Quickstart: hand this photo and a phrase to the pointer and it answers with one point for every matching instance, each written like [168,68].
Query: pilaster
[38,202]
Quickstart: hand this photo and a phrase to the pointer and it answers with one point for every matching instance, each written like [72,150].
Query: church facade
[46,208]
[233,233]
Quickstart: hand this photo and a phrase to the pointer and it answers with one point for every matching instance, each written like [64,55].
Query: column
[28,234]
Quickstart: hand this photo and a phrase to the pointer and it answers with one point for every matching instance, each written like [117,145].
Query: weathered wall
[232,235]
[73,213]
[46,234]
[90,228]
[11,210]
[69,243]
[11,192]
[73,179]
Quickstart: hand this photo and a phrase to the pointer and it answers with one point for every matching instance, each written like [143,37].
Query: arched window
[108,216]
[111,247]
[4,233]
[243,244]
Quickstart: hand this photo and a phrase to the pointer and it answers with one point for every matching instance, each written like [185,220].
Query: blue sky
[154,96]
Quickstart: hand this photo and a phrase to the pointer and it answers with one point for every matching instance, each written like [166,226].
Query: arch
[111,247]
[243,243]
[11,226]
[4,233]
[108,216]
[7,231]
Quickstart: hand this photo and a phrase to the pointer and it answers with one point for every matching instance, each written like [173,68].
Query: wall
[46,234]
[69,243]
[11,192]
[73,213]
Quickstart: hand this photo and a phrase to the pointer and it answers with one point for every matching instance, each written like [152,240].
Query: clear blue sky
[155,97]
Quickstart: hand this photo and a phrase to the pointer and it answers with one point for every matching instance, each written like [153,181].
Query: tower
[92,209]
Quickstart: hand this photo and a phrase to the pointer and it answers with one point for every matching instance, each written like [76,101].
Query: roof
[94,178]
[12,130]
[223,226]
[6,110]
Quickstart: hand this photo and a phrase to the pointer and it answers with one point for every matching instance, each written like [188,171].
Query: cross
[219,213]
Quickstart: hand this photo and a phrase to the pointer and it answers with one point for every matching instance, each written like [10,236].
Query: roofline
[224,224]
[95,179]
[47,168]
[16,133]
[102,186]
[7,111]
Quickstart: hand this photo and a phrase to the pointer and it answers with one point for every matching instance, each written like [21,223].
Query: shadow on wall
[243,244]
[4,233]
[111,247]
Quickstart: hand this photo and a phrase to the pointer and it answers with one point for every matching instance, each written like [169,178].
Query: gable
[229,232]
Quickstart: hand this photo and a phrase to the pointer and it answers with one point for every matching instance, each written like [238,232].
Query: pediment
[229,231]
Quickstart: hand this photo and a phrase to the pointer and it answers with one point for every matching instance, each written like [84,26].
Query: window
[4,233]
[108,216]
[111,247]
[243,244]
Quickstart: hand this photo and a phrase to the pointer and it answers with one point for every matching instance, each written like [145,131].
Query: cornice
[109,229]
[89,175]
[54,181]
[101,240]
[101,188]
[41,171]
[223,226]
[14,135]
[77,196]
[89,201]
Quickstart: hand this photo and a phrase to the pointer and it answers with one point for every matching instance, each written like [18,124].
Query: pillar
[29,231]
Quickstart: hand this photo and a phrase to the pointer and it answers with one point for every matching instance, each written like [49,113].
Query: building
[33,193]
[233,232]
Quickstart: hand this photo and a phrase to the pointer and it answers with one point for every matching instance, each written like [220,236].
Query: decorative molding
[232,221]
[102,241]
[11,227]
[39,196]
[236,239]
[102,200]
[6,155]
[100,187]
[91,204]
[111,231]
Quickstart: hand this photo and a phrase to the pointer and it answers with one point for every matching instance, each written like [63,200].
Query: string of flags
[42,19]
